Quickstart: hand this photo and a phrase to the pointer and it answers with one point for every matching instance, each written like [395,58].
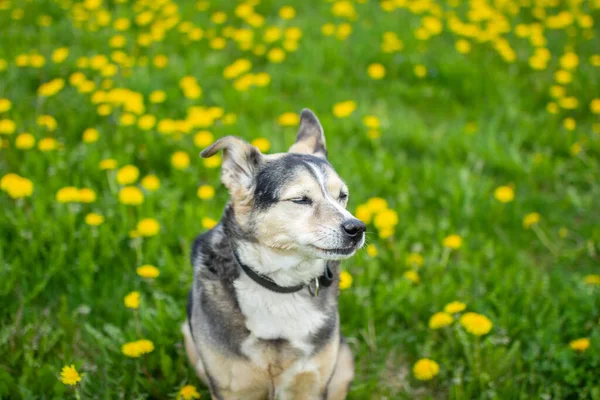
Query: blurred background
[468,133]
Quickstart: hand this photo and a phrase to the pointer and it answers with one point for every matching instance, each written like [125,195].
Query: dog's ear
[310,139]
[240,163]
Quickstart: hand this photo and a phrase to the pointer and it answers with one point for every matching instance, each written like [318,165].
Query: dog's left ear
[311,138]
[240,163]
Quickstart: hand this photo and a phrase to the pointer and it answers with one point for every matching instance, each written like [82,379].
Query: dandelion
[345,280]
[5,105]
[376,71]
[137,348]
[51,88]
[188,392]
[94,219]
[425,369]
[452,242]
[206,192]
[127,174]
[414,260]
[420,71]
[208,223]
[151,183]
[595,106]
[372,250]
[131,195]
[570,124]
[47,144]
[276,55]
[212,162]
[108,164]
[455,307]
[261,144]
[148,227]
[531,219]
[16,186]
[180,160]
[86,195]
[90,135]
[7,126]
[462,46]
[146,122]
[476,324]
[287,12]
[25,141]
[440,320]
[504,194]
[68,194]
[288,119]
[580,345]
[412,276]
[592,279]
[69,375]
[148,271]
[132,300]
[157,97]
[344,109]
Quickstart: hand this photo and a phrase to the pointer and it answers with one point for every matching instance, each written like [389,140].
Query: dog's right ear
[311,138]
[240,163]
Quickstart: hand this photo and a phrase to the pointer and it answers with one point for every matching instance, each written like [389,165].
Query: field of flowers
[468,133]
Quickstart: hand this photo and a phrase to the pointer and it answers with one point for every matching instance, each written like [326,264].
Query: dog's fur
[286,220]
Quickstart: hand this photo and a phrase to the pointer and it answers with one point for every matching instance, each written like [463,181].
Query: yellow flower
[570,124]
[371,122]
[138,348]
[386,219]
[575,148]
[363,213]
[208,223]
[372,250]
[592,279]
[148,271]
[160,61]
[25,141]
[563,77]
[146,122]
[425,369]
[288,119]
[531,219]
[287,12]
[188,392]
[344,108]
[203,139]
[328,29]
[7,126]
[476,324]
[94,219]
[206,192]
[132,300]
[148,227]
[455,307]
[376,71]
[212,162]
[69,375]
[151,183]
[595,106]
[5,105]
[107,164]
[90,135]
[420,71]
[414,260]
[276,55]
[462,46]
[157,97]
[86,195]
[68,194]
[452,242]
[504,194]
[345,280]
[261,144]
[131,195]
[580,345]
[377,204]
[16,186]
[47,144]
[412,276]
[180,160]
[440,320]
[569,61]
[128,174]
[51,88]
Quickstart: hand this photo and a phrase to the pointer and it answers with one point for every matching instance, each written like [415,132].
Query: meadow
[468,133]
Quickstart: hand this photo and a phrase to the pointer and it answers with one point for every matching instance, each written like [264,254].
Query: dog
[262,316]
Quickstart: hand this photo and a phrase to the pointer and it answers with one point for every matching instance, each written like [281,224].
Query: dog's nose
[353,227]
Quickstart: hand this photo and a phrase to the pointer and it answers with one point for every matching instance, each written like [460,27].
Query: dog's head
[292,202]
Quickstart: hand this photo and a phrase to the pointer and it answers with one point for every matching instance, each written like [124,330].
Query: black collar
[324,280]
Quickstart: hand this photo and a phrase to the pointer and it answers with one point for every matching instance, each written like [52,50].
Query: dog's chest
[274,316]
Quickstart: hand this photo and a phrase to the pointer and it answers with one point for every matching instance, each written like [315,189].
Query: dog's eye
[301,200]
[343,196]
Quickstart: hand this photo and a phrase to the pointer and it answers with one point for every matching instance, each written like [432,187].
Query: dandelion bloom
[504,194]
[127,174]
[595,106]
[188,392]
[51,88]
[531,219]
[180,160]
[425,369]
[137,348]
[376,204]
[372,250]
[452,242]
[420,71]
[455,307]
[580,345]
[212,162]
[371,122]
[203,139]
[5,105]
[90,135]
[94,219]
[363,213]
[412,276]
[132,300]
[69,375]
[376,71]
[148,227]
[592,279]
[276,55]
[440,320]
[385,219]
[107,164]
[145,346]
[68,194]
[148,271]
[344,108]
[131,195]
[7,126]
[151,183]
[415,260]
[476,324]
[288,119]
[25,141]
[262,144]
[206,192]
[345,280]
[157,97]
[287,12]
[208,223]
[47,144]
[16,186]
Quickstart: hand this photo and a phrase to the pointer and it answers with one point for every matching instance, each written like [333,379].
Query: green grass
[62,282]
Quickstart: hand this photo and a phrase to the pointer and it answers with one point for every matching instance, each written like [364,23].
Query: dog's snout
[353,227]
